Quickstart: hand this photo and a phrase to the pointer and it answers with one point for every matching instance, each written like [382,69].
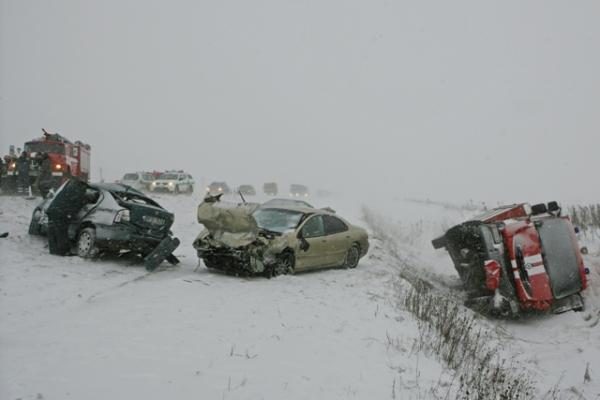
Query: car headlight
[171,184]
[122,216]
[208,189]
[220,189]
[58,167]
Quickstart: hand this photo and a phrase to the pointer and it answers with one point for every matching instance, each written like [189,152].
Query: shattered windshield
[132,197]
[276,220]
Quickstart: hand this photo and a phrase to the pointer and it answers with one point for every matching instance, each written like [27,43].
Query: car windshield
[276,220]
[169,177]
[130,177]
[37,147]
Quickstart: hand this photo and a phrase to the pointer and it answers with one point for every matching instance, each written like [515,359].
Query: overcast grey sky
[441,99]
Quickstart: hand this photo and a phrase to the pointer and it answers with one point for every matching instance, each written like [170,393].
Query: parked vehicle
[138,180]
[251,240]
[216,188]
[173,182]
[247,190]
[297,190]
[117,218]
[518,258]
[270,189]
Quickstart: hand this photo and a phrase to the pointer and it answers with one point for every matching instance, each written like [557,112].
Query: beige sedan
[278,240]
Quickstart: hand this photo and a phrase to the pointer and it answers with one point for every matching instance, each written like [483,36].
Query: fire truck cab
[518,258]
[67,159]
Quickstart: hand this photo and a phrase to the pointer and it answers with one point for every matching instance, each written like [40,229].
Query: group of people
[23,171]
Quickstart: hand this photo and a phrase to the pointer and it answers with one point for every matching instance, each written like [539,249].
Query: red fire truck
[518,258]
[67,159]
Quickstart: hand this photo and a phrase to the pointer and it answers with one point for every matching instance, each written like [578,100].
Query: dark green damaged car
[115,218]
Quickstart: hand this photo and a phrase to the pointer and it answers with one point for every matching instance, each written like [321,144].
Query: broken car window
[276,220]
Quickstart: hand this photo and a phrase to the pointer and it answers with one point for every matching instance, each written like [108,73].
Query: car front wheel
[86,243]
[285,265]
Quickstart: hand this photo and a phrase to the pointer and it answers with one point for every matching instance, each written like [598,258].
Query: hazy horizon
[450,101]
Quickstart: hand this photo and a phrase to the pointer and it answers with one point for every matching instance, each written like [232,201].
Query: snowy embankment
[73,328]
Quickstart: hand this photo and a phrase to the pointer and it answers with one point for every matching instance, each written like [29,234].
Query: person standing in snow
[44,182]
[23,173]
[66,203]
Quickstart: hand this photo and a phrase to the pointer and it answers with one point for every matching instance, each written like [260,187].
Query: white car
[138,180]
[173,182]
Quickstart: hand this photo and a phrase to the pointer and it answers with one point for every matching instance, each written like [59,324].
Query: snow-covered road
[71,328]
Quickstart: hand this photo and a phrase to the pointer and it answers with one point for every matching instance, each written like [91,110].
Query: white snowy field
[71,328]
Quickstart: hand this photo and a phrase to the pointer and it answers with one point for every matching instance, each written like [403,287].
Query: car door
[316,254]
[338,239]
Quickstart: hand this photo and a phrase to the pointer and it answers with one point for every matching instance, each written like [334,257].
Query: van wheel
[86,243]
[352,257]
[176,189]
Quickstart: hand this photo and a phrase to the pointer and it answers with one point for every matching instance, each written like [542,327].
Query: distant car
[273,241]
[218,188]
[138,180]
[286,203]
[115,218]
[270,189]
[173,182]
[298,190]
[247,190]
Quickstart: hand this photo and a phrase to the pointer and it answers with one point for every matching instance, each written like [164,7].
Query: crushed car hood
[231,226]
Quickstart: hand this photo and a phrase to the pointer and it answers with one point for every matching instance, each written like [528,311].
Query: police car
[173,182]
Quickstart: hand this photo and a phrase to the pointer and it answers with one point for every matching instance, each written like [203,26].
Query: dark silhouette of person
[23,173]
[66,203]
[44,182]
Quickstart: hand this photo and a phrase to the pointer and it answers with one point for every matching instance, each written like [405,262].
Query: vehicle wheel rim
[283,267]
[85,242]
[352,258]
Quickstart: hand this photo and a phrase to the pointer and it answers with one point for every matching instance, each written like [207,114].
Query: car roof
[116,187]
[304,210]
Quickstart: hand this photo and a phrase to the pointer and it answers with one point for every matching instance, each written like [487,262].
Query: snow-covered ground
[71,328]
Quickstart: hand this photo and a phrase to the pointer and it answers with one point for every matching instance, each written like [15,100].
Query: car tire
[176,191]
[352,257]
[285,265]
[86,243]
[191,189]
